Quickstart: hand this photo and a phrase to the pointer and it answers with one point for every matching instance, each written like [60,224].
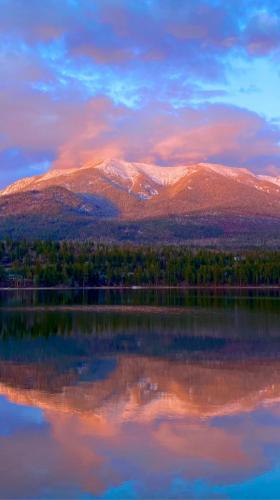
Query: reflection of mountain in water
[140,394]
[143,388]
[194,362]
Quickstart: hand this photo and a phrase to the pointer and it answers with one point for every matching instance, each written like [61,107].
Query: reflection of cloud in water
[148,418]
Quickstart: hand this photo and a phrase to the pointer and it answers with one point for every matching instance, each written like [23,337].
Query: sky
[166,81]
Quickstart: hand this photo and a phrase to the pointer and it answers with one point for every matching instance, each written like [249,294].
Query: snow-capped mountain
[128,174]
[130,191]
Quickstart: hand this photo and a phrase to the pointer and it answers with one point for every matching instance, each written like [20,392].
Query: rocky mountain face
[201,196]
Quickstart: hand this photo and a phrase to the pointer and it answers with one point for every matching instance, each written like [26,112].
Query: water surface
[140,394]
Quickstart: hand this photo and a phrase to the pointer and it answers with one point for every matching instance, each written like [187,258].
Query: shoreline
[106,308]
[136,288]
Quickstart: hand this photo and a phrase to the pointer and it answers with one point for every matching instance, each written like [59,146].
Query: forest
[87,264]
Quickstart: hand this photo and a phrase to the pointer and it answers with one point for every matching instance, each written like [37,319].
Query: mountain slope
[208,191]
[138,190]
[142,202]
[54,201]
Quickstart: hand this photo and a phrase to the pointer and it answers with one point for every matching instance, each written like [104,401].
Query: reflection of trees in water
[253,300]
[190,334]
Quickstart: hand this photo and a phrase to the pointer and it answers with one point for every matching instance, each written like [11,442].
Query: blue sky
[168,81]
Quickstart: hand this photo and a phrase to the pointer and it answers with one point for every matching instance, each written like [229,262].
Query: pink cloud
[218,131]
[211,133]
[78,131]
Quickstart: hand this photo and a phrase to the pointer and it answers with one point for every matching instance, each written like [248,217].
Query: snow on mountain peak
[129,174]
[269,178]
[226,171]
[163,175]
[131,170]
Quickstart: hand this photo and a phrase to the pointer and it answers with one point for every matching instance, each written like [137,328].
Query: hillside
[118,200]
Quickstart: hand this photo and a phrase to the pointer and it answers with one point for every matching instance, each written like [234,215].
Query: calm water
[139,394]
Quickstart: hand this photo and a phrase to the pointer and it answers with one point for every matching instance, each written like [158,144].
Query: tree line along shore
[88,264]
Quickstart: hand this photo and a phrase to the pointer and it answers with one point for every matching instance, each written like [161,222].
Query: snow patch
[268,178]
[57,173]
[130,171]
[227,171]
[18,186]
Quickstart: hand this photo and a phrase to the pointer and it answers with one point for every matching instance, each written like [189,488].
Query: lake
[139,394]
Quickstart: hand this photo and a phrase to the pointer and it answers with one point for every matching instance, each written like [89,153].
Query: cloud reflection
[147,423]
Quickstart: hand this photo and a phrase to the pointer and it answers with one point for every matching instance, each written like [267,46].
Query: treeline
[48,263]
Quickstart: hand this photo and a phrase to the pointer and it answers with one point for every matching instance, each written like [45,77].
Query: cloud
[73,131]
[262,34]
[121,32]
[90,78]
[212,431]
[157,133]
[219,133]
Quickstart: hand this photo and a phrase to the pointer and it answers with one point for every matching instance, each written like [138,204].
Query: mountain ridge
[126,193]
[129,171]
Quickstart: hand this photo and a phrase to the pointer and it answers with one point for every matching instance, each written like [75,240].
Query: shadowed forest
[73,264]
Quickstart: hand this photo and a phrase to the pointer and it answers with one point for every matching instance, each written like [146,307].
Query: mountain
[141,201]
